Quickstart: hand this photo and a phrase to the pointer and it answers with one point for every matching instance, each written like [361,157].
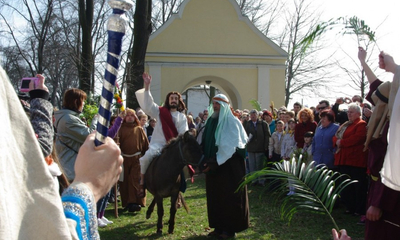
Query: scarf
[229,134]
[168,126]
[340,132]
[170,131]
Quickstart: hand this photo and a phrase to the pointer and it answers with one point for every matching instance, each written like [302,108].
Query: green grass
[265,222]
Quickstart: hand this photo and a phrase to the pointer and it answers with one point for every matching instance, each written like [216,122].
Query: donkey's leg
[160,213]
[172,212]
[150,209]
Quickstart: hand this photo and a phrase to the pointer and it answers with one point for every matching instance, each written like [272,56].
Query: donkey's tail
[181,199]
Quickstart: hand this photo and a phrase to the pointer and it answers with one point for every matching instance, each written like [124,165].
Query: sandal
[141,191]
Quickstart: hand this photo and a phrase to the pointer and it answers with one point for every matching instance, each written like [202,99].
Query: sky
[382,16]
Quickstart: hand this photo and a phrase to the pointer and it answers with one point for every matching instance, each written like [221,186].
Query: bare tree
[85,65]
[262,14]
[135,66]
[162,10]
[305,71]
[78,39]
[11,63]
[38,17]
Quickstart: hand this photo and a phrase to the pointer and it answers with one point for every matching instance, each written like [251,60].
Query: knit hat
[266,112]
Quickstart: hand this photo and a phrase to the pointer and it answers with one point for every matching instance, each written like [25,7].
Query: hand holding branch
[342,235]
[387,62]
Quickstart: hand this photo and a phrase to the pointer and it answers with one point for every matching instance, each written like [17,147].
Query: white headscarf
[230,133]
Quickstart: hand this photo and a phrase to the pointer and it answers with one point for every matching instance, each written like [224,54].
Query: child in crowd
[288,142]
[288,146]
[193,132]
[275,143]
[307,148]
[143,122]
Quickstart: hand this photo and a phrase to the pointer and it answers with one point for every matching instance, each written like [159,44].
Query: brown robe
[132,140]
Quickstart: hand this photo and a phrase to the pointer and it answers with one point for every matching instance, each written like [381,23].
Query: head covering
[129,110]
[230,133]
[380,114]
[266,112]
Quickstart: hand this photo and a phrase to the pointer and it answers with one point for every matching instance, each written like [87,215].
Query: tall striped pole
[116,30]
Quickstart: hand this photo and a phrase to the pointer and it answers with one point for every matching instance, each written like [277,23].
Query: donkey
[163,176]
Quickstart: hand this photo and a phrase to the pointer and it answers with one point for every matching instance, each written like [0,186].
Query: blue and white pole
[116,30]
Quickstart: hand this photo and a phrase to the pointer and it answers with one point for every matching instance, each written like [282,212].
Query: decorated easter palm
[316,188]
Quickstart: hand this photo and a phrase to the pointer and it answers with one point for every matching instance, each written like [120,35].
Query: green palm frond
[256,104]
[356,26]
[352,25]
[319,30]
[316,187]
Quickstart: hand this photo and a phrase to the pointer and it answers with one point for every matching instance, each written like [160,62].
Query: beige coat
[275,143]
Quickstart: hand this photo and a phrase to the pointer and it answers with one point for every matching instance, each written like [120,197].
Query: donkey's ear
[186,136]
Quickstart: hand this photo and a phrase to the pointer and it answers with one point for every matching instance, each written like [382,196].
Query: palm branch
[256,104]
[316,187]
[352,25]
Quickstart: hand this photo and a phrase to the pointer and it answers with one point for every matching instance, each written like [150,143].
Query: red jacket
[351,146]
[301,129]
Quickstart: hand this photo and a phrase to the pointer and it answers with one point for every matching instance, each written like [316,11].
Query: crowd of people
[349,136]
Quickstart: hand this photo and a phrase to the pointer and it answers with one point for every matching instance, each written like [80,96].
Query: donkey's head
[190,149]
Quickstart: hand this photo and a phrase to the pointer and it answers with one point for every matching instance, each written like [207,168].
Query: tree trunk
[86,60]
[142,31]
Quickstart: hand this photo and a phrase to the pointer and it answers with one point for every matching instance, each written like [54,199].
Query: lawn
[265,222]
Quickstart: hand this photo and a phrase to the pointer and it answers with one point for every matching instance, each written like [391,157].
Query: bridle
[184,161]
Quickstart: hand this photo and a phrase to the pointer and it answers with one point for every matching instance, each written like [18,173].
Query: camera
[24,87]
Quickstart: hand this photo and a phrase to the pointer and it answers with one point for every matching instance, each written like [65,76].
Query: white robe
[157,142]
[391,166]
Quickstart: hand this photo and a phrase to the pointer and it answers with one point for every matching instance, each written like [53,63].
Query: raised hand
[146,80]
[387,62]
[122,114]
[362,54]
[39,84]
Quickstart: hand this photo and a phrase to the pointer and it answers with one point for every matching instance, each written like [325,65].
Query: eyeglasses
[321,108]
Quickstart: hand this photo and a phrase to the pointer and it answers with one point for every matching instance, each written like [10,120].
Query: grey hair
[356,107]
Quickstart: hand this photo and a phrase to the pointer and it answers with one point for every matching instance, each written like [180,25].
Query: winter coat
[259,136]
[71,133]
[351,146]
